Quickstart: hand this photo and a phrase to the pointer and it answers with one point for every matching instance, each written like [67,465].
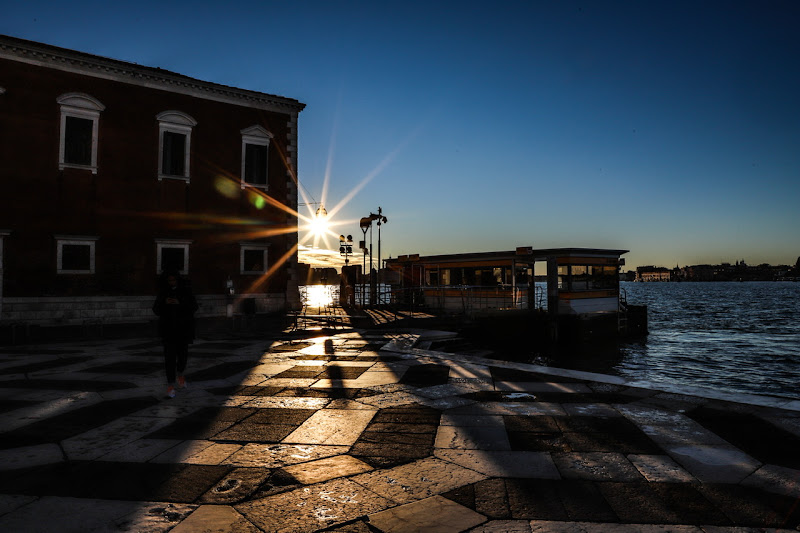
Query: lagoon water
[726,336]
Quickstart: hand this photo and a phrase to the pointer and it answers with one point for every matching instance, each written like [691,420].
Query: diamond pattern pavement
[287,434]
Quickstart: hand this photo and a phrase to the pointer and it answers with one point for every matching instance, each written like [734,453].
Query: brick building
[112,172]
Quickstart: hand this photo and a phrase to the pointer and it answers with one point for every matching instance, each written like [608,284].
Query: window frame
[252,246]
[173,243]
[258,136]
[82,106]
[175,122]
[75,240]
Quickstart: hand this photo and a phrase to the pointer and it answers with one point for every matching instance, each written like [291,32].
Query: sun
[318,225]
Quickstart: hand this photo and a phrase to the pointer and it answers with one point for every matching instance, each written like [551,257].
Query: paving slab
[215,454]
[544,526]
[660,468]
[236,486]
[393,399]
[449,403]
[450,419]
[533,386]
[280,455]
[276,402]
[504,526]
[182,451]
[714,464]
[776,479]
[29,456]
[472,437]
[314,507]
[141,451]
[511,408]
[371,378]
[86,514]
[590,409]
[11,502]
[215,519]
[504,464]
[327,469]
[95,443]
[596,466]
[469,371]
[331,427]
[433,515]
[417,480]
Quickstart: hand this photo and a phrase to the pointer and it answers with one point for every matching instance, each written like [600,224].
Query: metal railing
[468,299]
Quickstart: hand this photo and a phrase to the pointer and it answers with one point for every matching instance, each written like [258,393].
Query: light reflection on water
[728,336]
[319,295]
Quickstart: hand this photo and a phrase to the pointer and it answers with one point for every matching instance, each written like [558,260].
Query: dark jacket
[176,321]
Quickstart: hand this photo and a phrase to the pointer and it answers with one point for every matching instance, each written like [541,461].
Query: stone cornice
[44,55]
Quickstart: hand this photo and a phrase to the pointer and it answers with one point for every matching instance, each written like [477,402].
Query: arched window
[80,117]
[255,156]
[174,144]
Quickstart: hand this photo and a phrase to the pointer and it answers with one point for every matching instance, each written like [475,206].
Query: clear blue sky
[671,129]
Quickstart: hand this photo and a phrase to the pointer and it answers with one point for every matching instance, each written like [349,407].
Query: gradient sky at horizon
[671,129]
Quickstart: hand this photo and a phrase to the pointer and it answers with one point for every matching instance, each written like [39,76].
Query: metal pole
[378,281]
[371,280]
[363,296]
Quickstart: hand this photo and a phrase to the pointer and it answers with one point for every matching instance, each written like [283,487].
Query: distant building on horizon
[114,172]
[653,273]
[740,271]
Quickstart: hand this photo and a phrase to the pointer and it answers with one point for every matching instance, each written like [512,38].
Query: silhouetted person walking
[175,307]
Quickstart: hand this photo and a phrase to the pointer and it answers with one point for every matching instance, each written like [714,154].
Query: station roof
[523,253]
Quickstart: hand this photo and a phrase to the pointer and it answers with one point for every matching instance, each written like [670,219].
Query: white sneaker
[170,392]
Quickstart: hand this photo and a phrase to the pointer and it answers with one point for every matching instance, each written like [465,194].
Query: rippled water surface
[729,336]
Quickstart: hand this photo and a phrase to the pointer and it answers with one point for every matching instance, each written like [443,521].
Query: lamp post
[365,224]
[384,220]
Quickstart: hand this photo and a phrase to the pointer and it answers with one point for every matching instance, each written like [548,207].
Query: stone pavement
[364,432]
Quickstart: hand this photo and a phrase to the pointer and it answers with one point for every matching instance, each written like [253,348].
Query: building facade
[113,172]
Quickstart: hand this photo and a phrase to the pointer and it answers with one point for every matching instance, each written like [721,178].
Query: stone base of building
[32,320]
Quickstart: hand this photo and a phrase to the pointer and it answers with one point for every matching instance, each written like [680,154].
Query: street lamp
[346,247]
[366,225]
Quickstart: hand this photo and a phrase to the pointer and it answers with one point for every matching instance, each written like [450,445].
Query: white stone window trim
[79,105]
[259,136]
[80,240]
[173,243]
[175,122]
[250,246]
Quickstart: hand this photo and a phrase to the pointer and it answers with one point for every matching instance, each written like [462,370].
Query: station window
[75,254]
[587,277]
[172,254]
[80,117]
[433,278]
[253,258]
[174,144]
[255,156]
